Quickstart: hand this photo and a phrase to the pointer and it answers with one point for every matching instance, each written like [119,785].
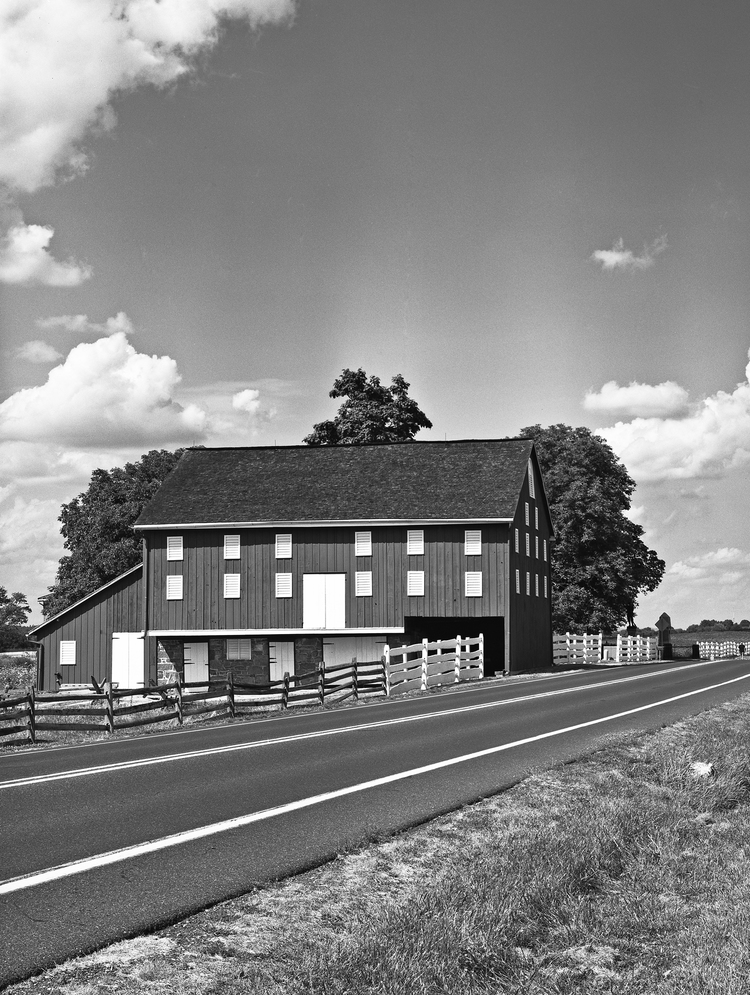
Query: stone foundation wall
[169,660]
[256,670]
[308,652]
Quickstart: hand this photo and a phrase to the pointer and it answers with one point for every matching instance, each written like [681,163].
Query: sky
[535,212]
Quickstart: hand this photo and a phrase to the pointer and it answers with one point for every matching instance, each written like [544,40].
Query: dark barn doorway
[420,627]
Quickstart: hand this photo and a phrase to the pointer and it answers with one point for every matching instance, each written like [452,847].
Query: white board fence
[713,650]
[573,649]
[424,665]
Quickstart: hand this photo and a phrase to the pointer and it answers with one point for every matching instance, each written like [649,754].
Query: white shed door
[324,601]
[281,656]
[128,669]
[196,661]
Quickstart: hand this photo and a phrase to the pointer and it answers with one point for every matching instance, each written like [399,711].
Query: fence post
[110,709]
[618,649]
[457,663]
[32,716]
[179,699]
[481,656]
[230,693]
[285,691]
[321,682]
[424,664]
[386,659]
[355,679]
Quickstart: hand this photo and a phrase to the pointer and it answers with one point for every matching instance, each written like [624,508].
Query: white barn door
[128,670]
[324,601]
[195,656]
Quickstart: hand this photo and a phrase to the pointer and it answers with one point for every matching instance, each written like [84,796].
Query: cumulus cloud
[64,60]
[620,258]
[638,400]
[247,400]
[80,324]
[727,565]
[105,393]
[25,259]
[38,352]
[711,439]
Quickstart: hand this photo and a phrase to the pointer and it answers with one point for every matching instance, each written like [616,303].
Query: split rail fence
[107,709]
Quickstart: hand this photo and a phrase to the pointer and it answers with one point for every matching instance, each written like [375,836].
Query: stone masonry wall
[308,652]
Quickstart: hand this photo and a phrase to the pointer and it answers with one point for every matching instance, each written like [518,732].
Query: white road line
[23,782]
[75,867]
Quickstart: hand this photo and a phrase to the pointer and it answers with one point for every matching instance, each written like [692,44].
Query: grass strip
[625,872]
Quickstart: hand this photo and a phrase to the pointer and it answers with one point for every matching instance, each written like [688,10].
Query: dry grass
[17,671]
[625,872]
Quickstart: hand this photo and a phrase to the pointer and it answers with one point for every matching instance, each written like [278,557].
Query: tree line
[600,563]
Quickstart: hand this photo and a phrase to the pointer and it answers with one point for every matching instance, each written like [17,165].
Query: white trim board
[377,631]
[325,524]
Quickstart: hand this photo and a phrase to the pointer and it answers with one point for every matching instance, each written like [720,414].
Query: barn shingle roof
[477,479]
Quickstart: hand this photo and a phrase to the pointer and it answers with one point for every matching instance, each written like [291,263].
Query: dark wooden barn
[263,560]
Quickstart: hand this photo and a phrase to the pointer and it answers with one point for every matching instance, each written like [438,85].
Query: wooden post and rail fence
[108,709]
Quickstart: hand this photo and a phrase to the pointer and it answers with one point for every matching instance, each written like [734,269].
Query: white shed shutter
[283,585]
[231,585]
[473,542]
[531,479]
[415,542]
[363,543]
[174,547]
[238,649]
[67,652]
[174,587]
[363,583]
[473,583]
[284,546]
[415,583]
[231,547]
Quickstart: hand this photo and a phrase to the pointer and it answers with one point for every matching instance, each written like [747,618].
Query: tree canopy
[14,616]
[370,413]
[600,563]
[98,527]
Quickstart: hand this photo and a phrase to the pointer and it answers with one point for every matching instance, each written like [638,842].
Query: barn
[262,560]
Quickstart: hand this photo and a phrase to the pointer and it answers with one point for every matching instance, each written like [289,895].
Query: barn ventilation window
[517,543]
[231,547]
[546,593]
[536,546]
[415,583]
[531,479]
[528,544]
[174,587]
[415,542]
[518,581]
[536,585]
[536,519]
[231,585]
[528,583]
[174,548]
[473,584]
[473,542]
[363,583]
[283,585]
[363,543]
[544,541]
[284,546]
[526,505]
[239,649]
[67,652]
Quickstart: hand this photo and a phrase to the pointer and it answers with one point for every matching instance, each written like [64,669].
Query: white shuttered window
[527,512]
[528,545]
[283,585]
[174,547]
[415,583]
[67,652]
[174,587]
[231,547]
[546,594]
[528,583]
[536,585]
[363,583]
[363,543]
[518,581]
[473,542]
[284,546]
[231,585]
[415,542]
[238,649]
[531,479]
[545,548]
[473,584]
[517,547]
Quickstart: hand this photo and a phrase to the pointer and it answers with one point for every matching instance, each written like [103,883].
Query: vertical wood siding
[323,550]
[529,633]
[118,608]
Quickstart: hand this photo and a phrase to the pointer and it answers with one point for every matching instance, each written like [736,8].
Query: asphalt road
[102,842]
